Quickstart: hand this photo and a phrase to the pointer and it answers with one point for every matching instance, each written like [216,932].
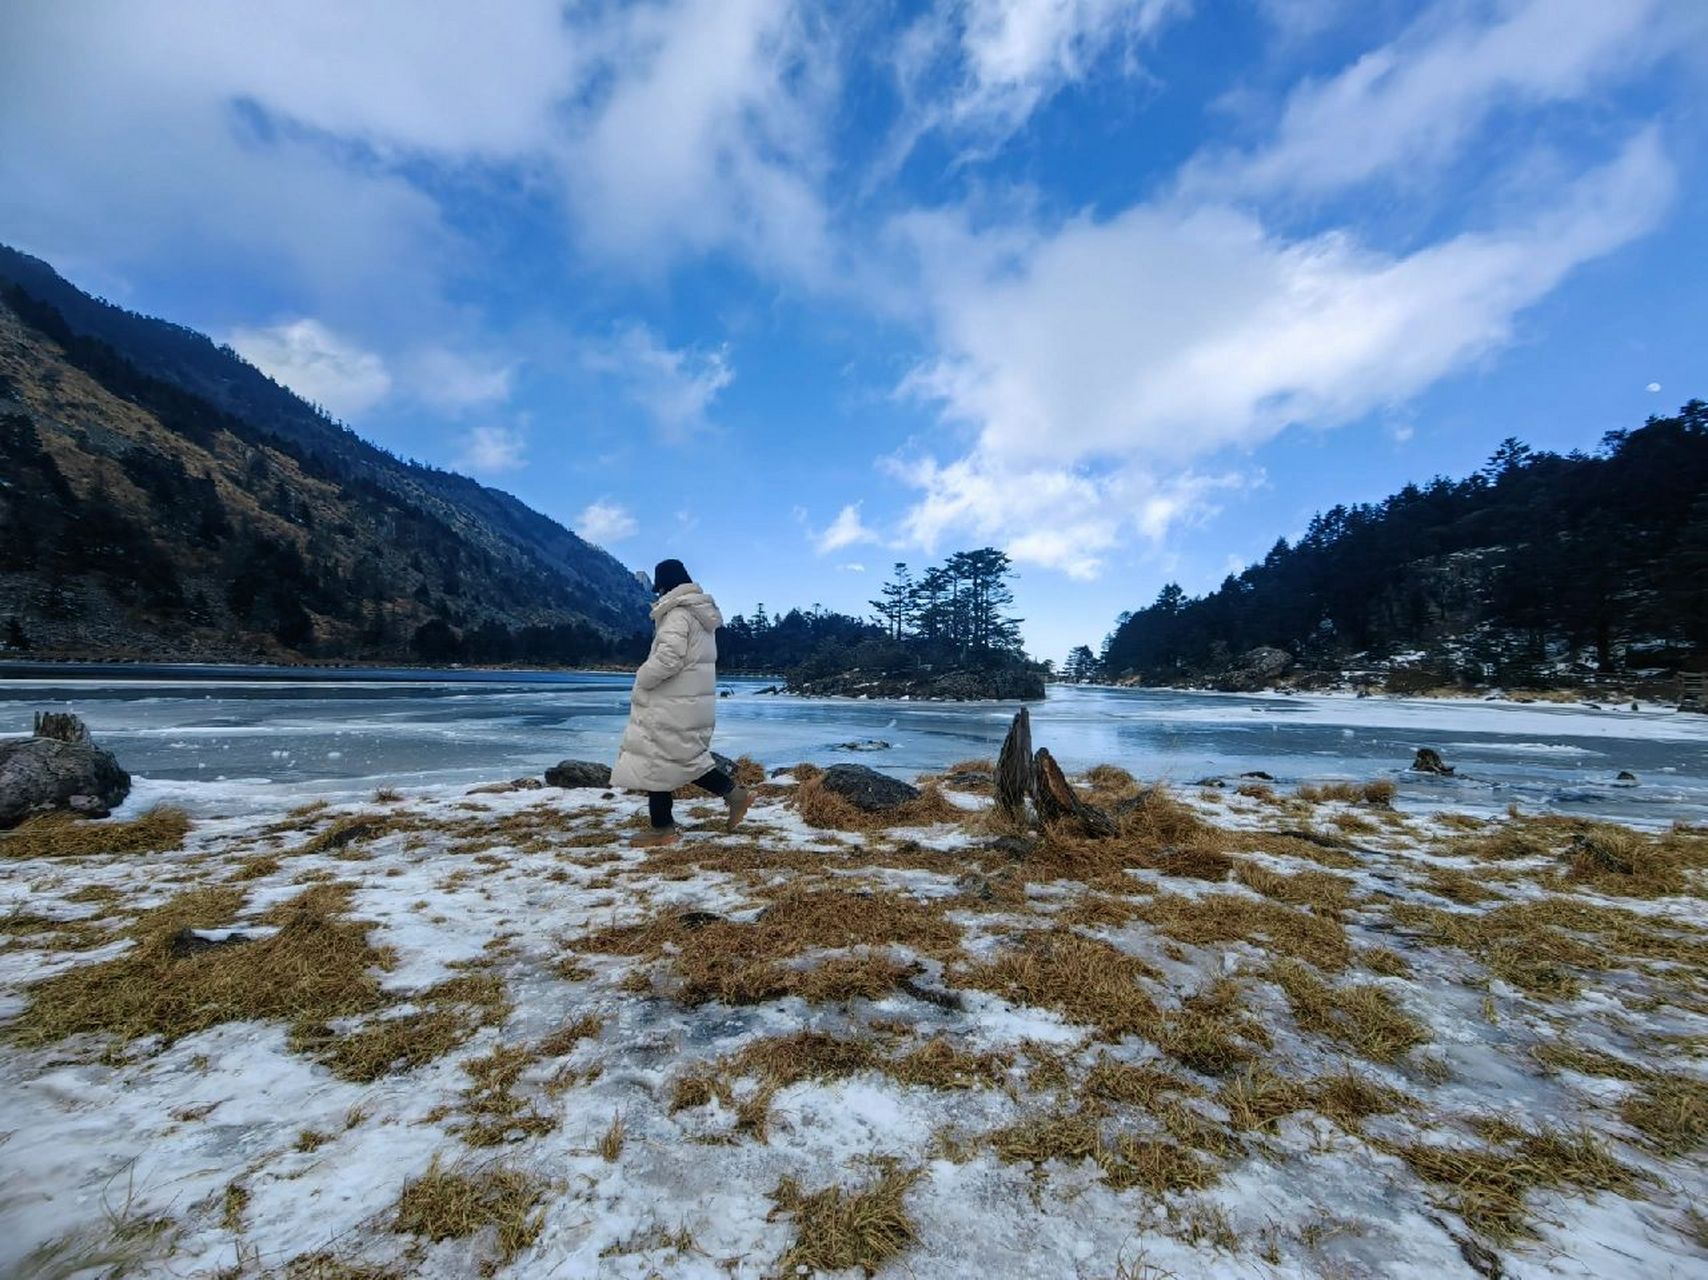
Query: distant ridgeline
[946,634]
[161,497]
[1537,569]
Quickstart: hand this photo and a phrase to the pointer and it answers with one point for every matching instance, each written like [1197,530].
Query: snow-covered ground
[1209,1049]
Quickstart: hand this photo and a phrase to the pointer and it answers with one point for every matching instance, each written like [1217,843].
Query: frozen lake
[228,740]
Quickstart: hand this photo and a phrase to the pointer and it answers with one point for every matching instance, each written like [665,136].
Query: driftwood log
[1014,767]
[1058,802]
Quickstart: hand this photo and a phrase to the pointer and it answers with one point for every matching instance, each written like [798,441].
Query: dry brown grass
[317,966]
[1210,1033]
[1458,886]
[1626,863]
[610,1144]
[742,962]
[1489,1186]
[1598,855]
[495,1114]
[450,1013]
[823,808]
[1068,1136]
[62,835]
[445,1204]
[938,1064]
[1543,947]
[1086,980]
[1364,1018]
[1378,793]
[1564,1056]
[1226,917]
[1133,1084]
[1259,1099]
[806,1055]
[1349,1099]
[565,1038]
[1671,1111]
[838,1229]
[1109,784]
[1321,891]
[1157,1166]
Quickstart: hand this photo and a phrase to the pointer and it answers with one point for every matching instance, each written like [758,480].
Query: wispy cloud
[675,387]
[493,449]
[605,522]
[844,531]
[317,364]
[455,381]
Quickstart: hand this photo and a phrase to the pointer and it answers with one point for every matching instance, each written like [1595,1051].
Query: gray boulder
[867,789]
[1255,670]
[41,774]
[578,773]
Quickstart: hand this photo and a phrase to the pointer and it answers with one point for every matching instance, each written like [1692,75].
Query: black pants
[658,802]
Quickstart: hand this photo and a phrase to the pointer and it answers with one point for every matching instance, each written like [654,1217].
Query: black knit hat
[668,575]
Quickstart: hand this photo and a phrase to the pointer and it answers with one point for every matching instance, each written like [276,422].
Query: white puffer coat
[674,706]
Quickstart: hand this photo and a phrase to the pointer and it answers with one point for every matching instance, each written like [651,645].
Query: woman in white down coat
[668,742]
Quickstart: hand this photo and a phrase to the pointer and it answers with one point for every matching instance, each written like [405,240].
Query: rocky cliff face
[159,497]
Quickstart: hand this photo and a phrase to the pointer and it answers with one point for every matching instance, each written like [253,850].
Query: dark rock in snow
[867,789]
[1625,775]
[42,774]
[1210,782]
[863,744]
[968,780]
[1428,760]
[697,919]
[578,773]
[1259,775]
[187,942]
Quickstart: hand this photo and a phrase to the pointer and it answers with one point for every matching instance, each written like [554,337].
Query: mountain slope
[159,496]
[1538,567]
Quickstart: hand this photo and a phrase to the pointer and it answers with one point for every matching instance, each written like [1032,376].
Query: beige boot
[657,838]
[739,801]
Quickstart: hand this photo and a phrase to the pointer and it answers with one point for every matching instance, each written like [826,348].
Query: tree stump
[1428,760]
[1014,767]
[61,726]
[1058,802]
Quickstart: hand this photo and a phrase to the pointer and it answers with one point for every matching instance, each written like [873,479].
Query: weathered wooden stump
[61,726]
[1014,767]
[1057,801]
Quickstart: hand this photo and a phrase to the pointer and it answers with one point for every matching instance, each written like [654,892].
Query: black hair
[668,575]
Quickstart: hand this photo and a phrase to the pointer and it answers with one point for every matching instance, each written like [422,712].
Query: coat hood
[689,596]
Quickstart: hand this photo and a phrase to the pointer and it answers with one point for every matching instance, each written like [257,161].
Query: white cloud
[1654,386]
[1098,361]
[703,132]
[317,364]
[455,382]
[983,67]
[1410,105]
[1020,52]
[492,449]
[852,567]
[844,531]
[675,387]
[605,521]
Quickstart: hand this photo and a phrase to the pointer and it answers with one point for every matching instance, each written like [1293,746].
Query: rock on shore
[42,774]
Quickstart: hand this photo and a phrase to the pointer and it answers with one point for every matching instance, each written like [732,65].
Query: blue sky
[793,291]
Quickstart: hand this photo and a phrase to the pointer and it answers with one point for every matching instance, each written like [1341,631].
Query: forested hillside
[160,497]
[1539,567]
